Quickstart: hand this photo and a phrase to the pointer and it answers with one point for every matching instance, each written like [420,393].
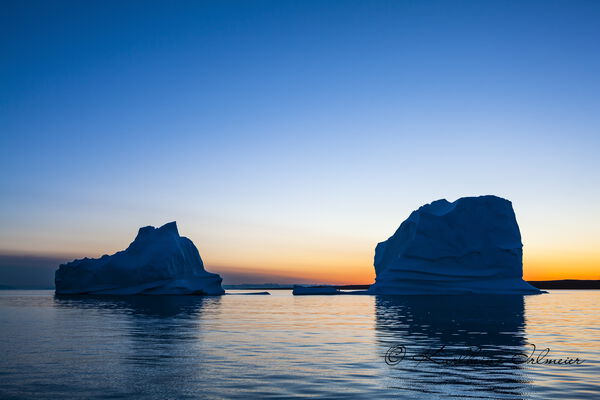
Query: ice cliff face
[158,261]
[470,246]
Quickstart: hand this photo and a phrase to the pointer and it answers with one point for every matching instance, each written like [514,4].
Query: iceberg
[157,262]
[472,245]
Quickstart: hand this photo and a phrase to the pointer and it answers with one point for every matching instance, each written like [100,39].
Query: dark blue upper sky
[310,126]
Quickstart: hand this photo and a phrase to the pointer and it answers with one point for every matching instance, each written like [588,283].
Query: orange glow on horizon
[342,266]
[361,271]
[561,266]
[341,271]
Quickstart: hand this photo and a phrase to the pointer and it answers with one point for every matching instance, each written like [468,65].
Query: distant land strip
[567,284]
[559,284]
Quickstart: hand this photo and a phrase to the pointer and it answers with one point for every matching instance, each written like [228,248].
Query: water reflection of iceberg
[140,306]
[453,346]
[144,343]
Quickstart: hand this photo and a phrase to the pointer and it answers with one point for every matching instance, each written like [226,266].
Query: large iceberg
[158,261]
[472,245]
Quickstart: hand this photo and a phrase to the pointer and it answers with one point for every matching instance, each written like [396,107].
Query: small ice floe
[251,293]
[320,289]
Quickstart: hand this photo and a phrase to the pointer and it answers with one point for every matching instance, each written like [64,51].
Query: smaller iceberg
[308,290]
[157,262]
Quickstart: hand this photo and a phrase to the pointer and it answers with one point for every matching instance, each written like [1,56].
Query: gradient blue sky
[288,138]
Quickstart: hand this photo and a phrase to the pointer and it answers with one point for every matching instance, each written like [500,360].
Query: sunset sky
[287,138]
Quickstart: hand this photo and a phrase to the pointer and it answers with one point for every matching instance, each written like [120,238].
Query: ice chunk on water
[158,261]
[472,245]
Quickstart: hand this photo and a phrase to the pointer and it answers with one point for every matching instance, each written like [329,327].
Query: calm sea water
[281,346]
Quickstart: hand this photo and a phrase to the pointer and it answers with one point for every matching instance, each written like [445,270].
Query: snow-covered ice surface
[472,245]
[158,261]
